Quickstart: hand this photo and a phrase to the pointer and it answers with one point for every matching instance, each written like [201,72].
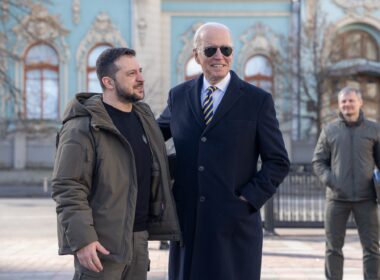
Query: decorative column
[147,41]
[19,150]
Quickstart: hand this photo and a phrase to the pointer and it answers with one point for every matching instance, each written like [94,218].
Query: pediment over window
[40,25]
[354,44]
[355,67]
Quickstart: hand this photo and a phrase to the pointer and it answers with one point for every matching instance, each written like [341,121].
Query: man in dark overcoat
[221,125]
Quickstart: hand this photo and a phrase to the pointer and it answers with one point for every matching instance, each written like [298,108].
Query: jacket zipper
[352,137]
[118,134]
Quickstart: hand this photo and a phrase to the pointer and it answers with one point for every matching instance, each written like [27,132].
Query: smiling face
[216,67]
[349,105]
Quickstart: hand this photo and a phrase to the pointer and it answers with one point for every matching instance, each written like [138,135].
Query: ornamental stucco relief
[101,31]
[187,50]
[39,25]
[358,7]
[259,39]
[76,11]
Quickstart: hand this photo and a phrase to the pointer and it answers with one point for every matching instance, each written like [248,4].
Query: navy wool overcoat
[222,234]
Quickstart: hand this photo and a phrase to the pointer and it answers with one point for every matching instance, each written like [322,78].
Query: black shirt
[130,127]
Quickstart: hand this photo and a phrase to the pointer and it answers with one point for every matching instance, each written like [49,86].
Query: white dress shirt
[218,94]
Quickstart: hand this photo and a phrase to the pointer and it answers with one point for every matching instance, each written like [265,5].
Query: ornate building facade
[54,46]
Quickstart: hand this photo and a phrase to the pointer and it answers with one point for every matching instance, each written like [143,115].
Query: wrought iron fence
[299,202]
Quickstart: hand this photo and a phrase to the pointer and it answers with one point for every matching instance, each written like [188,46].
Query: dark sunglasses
[210,51]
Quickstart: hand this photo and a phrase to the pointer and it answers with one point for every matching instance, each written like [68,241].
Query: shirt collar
[222,85]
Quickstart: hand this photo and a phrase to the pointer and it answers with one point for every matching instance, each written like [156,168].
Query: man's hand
[88,256]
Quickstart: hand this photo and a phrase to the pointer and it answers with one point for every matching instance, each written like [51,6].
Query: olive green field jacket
[95,184]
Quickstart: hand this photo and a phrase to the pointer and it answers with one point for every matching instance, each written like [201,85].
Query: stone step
[25,183]
[10,177]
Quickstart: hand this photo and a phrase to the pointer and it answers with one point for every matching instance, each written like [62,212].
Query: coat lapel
[232,94]
[194,100]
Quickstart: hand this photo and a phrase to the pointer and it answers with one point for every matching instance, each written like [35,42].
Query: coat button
[201,168]
[203,139]
[202,198]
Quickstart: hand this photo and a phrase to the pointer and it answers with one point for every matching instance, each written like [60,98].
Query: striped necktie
[208,111]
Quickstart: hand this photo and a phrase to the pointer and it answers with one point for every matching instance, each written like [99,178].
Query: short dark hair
[105,64]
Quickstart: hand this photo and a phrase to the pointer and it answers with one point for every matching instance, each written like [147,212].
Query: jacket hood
[91,105]
[84,104]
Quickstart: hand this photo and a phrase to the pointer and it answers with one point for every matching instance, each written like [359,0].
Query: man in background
[347,152]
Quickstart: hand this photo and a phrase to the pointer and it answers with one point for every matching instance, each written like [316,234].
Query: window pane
[33,95]
[192,68]
[50,95]
[33,75]
[336,49]
[353,45]
[372,90]
[41,54]
[354,84]
[93,83]
[370,50]
[41,83]
[94,54]
[258,65]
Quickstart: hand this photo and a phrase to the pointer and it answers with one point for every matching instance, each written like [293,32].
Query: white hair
[201,29]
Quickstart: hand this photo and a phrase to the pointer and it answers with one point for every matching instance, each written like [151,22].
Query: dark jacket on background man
[348,174]
[95,184]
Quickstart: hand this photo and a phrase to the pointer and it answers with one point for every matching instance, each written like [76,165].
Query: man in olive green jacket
[347,152]
[111,180]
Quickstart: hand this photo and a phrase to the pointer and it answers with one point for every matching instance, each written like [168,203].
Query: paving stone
[28,248]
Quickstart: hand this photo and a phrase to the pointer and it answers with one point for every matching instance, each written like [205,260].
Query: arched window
[41,82]
[354,44]
[259,72]
[192,69]
[93,84]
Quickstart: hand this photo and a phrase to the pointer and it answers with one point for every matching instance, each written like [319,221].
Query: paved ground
[28,248]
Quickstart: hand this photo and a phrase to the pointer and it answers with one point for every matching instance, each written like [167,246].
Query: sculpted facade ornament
[187,50]
[102,31]
[358,7]
[262,40]
[76,11]
[259,39]
[2,58]
[4,10]
[141,22]
[3,69]
[142,25]
[39,26]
